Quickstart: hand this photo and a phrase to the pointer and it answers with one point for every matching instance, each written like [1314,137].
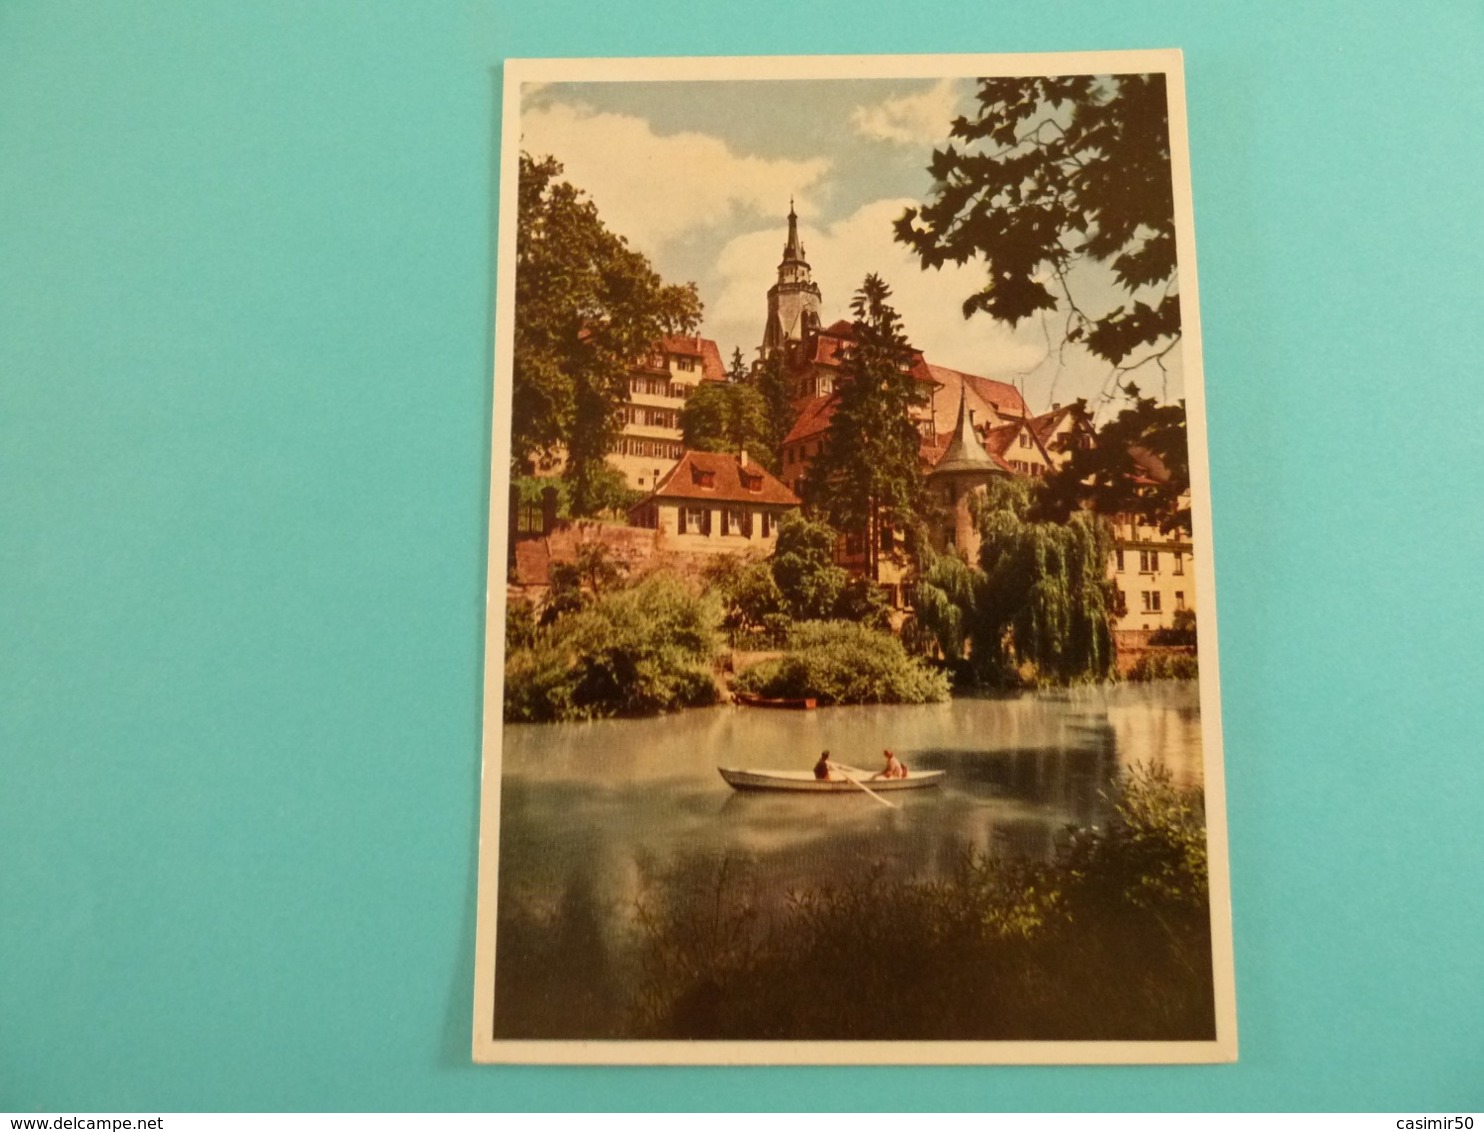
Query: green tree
[586,306]
[640,650]
[868,478]
[751,599]
[1037,606]
[737,369]
[841,662]
[771,380]
[803,565]
[728,417]
[594,571]
[1139,465]
[1050,171]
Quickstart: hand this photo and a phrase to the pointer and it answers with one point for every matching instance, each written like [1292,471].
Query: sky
[699,176]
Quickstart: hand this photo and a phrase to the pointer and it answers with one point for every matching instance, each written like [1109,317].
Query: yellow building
[1154,574]
[715,503]
[659,387]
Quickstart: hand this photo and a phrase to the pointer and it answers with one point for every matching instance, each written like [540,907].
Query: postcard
[851,689]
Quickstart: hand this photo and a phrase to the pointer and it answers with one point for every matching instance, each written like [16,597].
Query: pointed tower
[963,472]
[793,301]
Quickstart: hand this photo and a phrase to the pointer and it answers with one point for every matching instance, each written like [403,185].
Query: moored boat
[804,782]
[805,703]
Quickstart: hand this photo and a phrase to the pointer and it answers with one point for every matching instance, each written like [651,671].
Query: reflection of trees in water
[556,973]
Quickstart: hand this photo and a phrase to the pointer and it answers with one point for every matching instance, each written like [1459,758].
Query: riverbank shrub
[1165,666]
[1181,631]
[644,650]
[1108,940]
[840,662]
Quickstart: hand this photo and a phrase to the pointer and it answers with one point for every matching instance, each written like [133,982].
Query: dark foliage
[1138,465]
[1048,171]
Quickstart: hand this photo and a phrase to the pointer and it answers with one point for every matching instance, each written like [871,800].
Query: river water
[591,814]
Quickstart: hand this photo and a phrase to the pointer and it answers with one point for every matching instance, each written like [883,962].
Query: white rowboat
[804,782]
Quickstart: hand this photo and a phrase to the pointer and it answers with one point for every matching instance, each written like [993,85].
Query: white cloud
[841,255]
[652,188]
[912,119]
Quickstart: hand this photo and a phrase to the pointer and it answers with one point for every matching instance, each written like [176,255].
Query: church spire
[793,301]
[793,250]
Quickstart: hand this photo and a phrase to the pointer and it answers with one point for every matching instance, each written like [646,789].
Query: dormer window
[701,477]
[752,481]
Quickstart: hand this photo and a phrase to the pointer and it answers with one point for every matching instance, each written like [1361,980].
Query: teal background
[245,289]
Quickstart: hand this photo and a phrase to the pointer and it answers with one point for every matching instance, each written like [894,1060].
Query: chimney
[742,457]
[1055,405]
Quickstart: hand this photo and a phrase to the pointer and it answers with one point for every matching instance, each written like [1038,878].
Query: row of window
[659,387]
[1029,467]
[660,361]
[1150,601]
[1149,561]
[652,418]
[653,449]
[733,521]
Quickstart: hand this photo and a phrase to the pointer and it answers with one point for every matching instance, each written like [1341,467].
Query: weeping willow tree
[1037,607]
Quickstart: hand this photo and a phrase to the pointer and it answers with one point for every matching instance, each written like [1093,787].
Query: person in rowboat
[823,770]
[893,768]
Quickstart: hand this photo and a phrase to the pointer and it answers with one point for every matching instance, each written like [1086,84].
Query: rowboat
[806,703]
[804,782]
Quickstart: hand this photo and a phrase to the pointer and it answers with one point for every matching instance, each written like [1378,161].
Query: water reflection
[590,813]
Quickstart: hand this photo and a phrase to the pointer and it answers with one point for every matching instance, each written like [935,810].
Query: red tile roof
[724,469]
[1005,398]
[813,418]
[826,349]
[712,368]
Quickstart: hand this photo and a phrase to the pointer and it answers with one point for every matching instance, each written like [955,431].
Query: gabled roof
[712,368]
[1047,423]
[997,440]
[687,480]
[1004,398]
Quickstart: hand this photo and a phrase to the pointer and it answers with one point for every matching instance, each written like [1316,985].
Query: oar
[867,789]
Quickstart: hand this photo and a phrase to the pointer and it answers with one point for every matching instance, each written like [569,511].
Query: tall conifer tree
[868,479]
